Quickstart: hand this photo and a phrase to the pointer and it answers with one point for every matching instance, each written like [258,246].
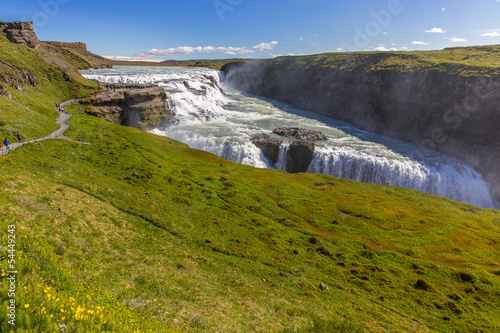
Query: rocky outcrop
[450,107]
[300,152]
[5,92]
[92,60]
[300,155]
[15,77]
[20,33]
[140,107]
[300,134]
[270,147]
[74,56]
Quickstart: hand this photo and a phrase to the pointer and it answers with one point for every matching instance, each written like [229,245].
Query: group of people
[7,143]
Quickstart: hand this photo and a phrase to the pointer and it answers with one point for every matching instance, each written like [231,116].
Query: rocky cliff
[20,33]
[444,100]
[78,50]
[140,107]
[68,58]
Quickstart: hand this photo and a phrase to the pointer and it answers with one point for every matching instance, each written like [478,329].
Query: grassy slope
[194,242]
[464,61]
[32,110]
[205,244]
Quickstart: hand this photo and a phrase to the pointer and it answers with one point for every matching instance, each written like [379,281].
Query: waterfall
[283,156]
[222,121]
[455,181]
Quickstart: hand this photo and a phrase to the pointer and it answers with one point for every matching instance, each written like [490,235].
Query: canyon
[437,99]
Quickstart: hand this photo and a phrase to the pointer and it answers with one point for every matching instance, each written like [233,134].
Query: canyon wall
[439,103]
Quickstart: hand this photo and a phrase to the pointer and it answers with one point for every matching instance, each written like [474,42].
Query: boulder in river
[301,149]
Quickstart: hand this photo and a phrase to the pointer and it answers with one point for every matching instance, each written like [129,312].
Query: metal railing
[5,150]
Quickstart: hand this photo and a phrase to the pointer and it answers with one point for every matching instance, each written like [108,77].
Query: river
[211,116]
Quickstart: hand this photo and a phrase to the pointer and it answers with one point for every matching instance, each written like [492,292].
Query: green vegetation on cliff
[135,232]
[31,82]
[463,61]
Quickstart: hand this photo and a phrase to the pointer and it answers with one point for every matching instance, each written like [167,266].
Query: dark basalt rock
[270,147]
[300,156]
[301,149]
[300,134]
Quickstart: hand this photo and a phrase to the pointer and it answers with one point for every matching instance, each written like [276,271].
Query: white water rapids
[224,121]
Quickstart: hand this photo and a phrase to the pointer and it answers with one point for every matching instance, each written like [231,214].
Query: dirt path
[59,134]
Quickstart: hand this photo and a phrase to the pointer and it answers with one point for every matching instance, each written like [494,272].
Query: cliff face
[68,58]
[20,33]
[436,106]
[140,107]
[93,60]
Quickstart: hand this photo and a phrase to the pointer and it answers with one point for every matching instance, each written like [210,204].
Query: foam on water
[223,121]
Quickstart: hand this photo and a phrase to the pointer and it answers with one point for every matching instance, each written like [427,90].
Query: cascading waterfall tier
[223,121]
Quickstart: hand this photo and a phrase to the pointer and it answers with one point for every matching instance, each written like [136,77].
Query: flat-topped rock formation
[20,33]
[143,107]
[300,152]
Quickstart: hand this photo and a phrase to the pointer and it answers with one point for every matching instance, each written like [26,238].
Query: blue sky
[210,29]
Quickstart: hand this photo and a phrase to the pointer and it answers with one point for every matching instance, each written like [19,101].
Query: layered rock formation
[93,60]
[450,107]
[20,33]
[270,147]
[300,152]
[75,56]
[140,107]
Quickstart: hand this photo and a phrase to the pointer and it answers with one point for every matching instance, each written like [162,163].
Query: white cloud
[383,48]
[443,9]
[458,40]
[301,38]
[189,49]
[491,34]
[230,53]
[436,31]
[385,33]
[123,58]
[266,46]
[340,49]
[418,42]
[405,48]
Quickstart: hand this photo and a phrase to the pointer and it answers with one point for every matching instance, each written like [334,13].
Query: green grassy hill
[35,81]
[462,61]
[139,233]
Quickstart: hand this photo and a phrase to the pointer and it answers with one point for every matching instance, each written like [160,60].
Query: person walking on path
[6,143]
[19,137]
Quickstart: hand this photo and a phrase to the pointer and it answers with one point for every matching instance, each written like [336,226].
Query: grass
[31,111]
[204,244]
[462,61]
[135,232]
